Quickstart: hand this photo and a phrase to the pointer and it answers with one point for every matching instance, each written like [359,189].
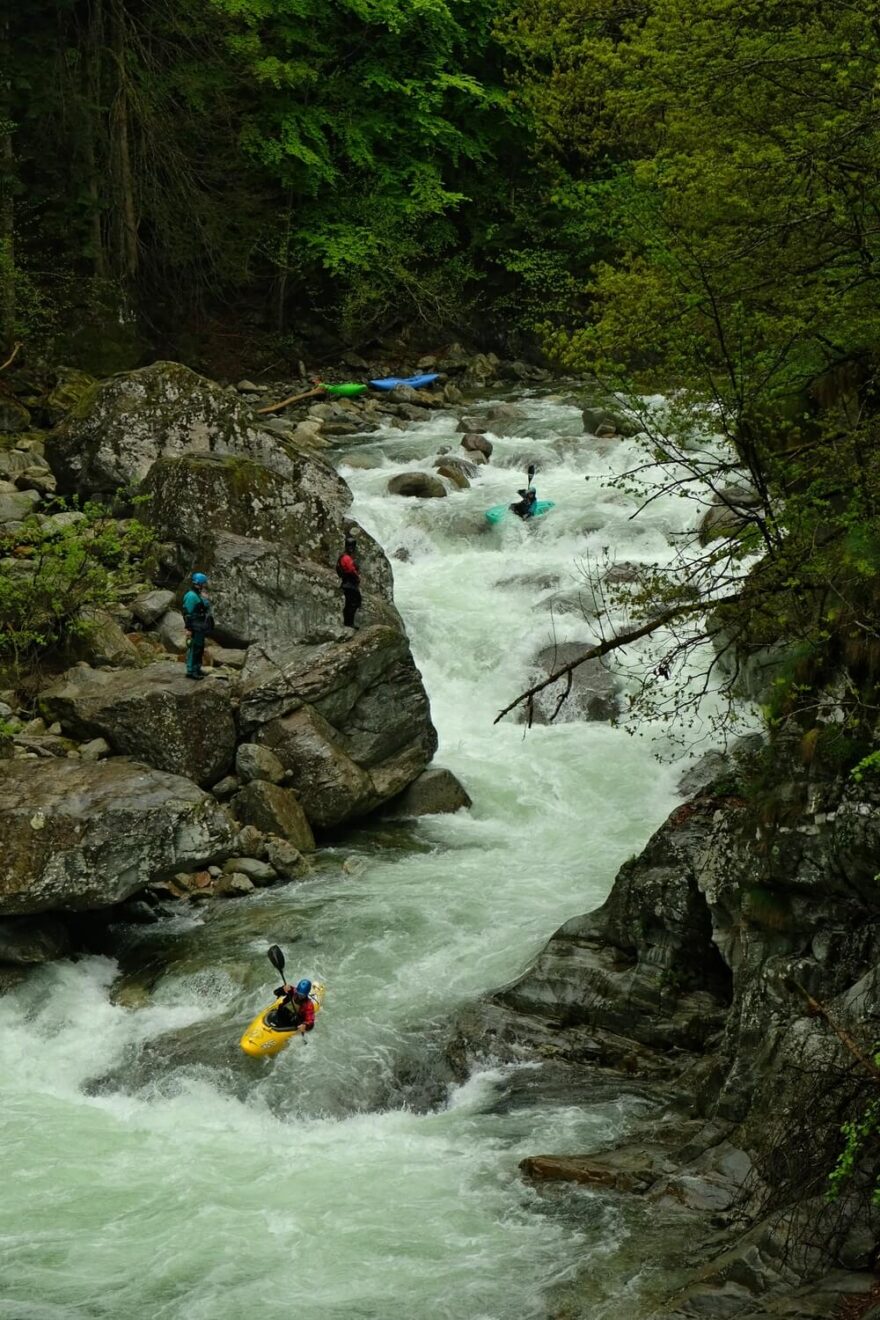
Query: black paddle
[276,958]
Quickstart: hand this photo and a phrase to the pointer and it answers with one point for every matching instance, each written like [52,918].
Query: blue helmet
[199,580]
[303,989]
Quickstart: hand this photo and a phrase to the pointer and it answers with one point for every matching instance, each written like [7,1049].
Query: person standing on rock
[350,578]
[199,623]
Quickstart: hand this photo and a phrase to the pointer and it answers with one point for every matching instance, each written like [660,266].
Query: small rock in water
[287,860]
[259,873]
[234,885]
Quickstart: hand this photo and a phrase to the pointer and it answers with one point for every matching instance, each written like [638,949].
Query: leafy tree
[54,578]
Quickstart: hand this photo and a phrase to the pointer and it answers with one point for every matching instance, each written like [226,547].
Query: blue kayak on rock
[499,511]
[414,382]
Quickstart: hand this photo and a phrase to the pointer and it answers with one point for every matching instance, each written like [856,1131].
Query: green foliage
[858,1135]
[53,578]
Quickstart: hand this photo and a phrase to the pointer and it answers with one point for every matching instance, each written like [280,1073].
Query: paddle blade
[531,472]
[276,958]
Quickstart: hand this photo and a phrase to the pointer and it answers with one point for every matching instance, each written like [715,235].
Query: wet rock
[351,721]
[435,791]
[462,465]
[721,520]
[28,940]
[259,873]
[610,422]
[419,485]
[711,766]
[274,810]
[286,859]
[476,443]
[154,715]
[80,835]
[233,885]
[149,608]
[255,762]
[594,691]
[453,475]
[622,1172]
[622,573]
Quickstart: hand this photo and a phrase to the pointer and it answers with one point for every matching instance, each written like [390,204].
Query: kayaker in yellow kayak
[296,1012]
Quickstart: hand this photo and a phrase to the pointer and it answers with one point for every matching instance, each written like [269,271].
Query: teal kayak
[498,511]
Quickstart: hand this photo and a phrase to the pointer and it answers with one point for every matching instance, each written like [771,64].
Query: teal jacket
[197,614]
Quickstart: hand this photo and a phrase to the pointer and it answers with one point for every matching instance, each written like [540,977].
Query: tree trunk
[7,196]
[124,180]
[91,103]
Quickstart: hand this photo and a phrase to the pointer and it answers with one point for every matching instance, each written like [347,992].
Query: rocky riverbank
[734,969]
[122,783]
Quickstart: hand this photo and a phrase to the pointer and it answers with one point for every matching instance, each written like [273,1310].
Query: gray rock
[103,643]
[17,505]
[418,485]
[154,714]
[286,859]
[38,479]
[248,387]
[255,762]
[721,520]
[263,594]
[126,423]
[594,691]
[476,443]
[350,722]
[229,657]
[274,810]
[435,791]
[462,465]
[453,475]
[712,765]
[226,788]
[234,885]
[251,842]
[259,873]
[95,750]
[79,835]
[149,608]
[172,632]
[196,496]
[610,422]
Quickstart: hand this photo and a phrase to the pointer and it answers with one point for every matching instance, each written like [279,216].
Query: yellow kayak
[262,1041]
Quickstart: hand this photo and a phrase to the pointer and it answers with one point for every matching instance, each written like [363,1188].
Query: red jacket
[348,571]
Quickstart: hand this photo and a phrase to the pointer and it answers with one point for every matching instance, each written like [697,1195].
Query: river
[154,1173]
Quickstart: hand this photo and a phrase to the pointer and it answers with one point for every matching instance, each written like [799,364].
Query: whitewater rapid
[154,1173]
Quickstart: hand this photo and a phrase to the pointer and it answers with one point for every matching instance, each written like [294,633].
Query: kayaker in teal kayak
[528,498]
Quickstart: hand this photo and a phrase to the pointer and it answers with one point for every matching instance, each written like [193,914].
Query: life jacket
[347,571]
[199,618]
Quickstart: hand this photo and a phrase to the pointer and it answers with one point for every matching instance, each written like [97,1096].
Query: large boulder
[350,721]
[87,835]
[594,690]
[418,485]
[193,496]
[610,421]
[274,810]
[435,791]
[117,430]
[154,714]
[263,594]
